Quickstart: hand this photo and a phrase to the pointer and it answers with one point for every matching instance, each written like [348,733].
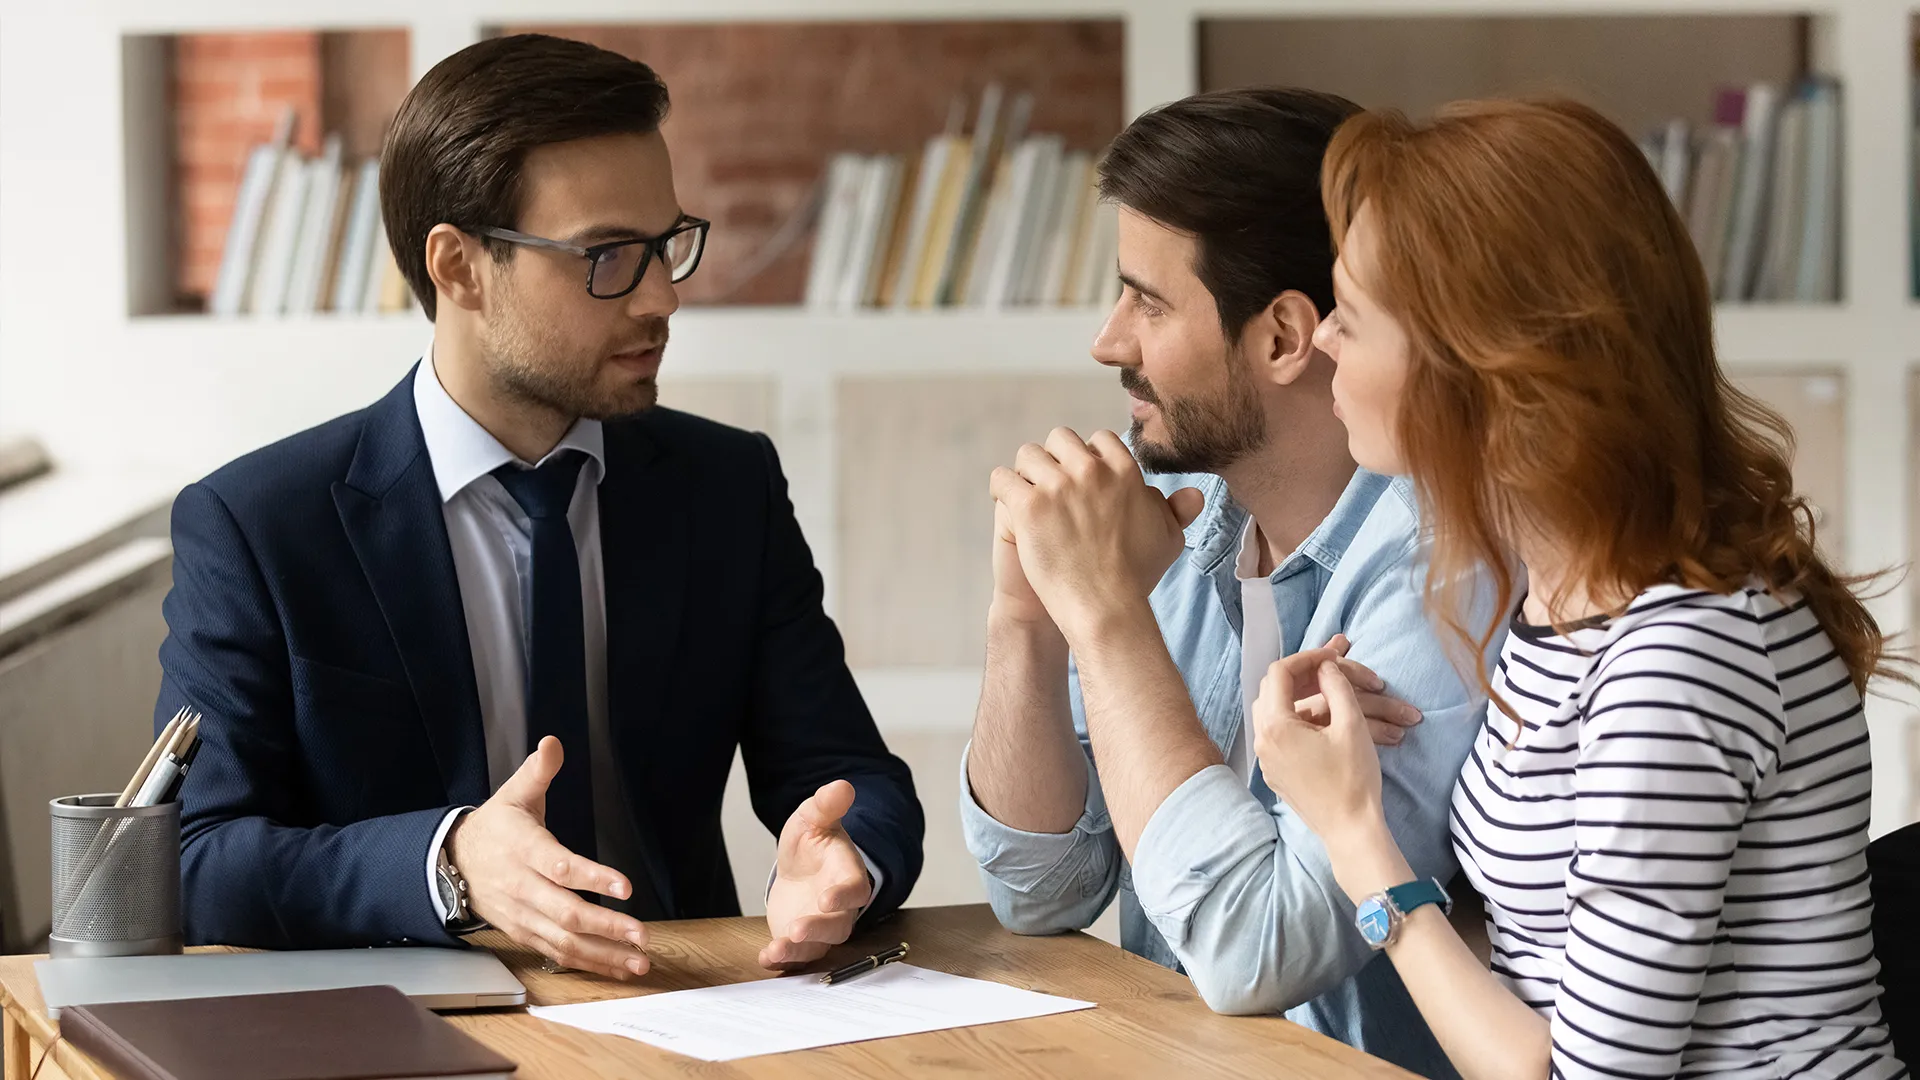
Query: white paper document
[772,1016]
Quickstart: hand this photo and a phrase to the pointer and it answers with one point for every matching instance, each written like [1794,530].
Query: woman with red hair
[1667,807]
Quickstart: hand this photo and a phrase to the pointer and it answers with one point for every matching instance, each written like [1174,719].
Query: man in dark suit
[491,643]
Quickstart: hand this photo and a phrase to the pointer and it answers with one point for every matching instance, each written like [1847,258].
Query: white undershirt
[1260,642]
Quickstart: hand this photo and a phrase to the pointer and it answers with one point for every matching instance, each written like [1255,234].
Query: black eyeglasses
[615,268]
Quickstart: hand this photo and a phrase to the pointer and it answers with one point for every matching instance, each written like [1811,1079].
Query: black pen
[871,963]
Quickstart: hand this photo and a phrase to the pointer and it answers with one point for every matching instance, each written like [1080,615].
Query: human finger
[1037,465]
[584,951]
[1385,734]
[785,954]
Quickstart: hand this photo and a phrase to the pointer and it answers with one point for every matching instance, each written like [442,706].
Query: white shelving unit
[188,392]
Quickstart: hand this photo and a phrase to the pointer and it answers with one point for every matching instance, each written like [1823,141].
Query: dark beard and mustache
[1203,434]
[521,360]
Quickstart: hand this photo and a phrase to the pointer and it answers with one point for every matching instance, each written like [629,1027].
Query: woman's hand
[1388,718]
[1327,772]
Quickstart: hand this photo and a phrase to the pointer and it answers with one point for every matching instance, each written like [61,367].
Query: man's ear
[1283,334]
[454,263]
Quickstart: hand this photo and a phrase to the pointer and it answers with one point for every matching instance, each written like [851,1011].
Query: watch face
[1374,921]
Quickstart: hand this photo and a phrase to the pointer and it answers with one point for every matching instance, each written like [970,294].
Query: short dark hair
[454,151]
[1239,170]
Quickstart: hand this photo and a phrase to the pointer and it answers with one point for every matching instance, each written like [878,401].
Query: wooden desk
[1150,1023]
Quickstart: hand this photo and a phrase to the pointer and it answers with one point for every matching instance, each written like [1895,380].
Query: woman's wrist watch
[1379,916]
[454,897]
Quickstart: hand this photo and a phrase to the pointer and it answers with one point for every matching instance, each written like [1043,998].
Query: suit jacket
[315,619]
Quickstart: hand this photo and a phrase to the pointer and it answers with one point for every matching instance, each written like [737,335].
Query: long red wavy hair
[1563,381]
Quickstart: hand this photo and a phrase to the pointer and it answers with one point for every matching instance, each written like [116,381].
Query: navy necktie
[557,674]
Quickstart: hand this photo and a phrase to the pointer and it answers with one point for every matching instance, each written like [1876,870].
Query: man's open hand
[521,880]
[820,883]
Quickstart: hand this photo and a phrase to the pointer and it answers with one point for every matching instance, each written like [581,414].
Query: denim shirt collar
[1213,537]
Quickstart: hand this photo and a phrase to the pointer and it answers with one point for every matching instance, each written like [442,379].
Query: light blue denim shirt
[1227,883]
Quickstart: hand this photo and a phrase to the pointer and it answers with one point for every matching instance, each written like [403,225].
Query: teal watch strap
[1416,893]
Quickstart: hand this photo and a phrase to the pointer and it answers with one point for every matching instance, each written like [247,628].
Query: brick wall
[229,91]
[759,107]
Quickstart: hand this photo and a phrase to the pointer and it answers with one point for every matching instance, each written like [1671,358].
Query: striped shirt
[1672,849]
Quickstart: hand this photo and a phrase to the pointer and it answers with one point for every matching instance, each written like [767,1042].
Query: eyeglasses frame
[656,249]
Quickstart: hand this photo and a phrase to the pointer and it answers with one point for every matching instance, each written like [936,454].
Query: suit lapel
[643,547]
[390,507]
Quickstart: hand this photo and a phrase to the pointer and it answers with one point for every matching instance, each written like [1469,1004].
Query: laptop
[440,979]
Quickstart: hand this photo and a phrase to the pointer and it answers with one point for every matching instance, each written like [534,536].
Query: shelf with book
[1745,139]
[756,120]
[251,159]
[995,217]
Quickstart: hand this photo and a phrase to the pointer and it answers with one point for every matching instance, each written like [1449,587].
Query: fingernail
[1413,715]
[1377,683]
[636,939]
[618,888]
[637,966]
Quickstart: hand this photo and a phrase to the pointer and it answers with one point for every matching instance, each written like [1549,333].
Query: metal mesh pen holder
[116,878]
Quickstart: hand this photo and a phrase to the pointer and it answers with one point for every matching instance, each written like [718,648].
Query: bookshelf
[103,385]
[197,106]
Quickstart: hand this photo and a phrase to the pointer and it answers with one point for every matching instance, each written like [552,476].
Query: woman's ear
[453,264]
[1285,333]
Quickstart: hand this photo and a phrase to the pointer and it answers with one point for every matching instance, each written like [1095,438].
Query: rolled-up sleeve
[1046,883]
[1246,897]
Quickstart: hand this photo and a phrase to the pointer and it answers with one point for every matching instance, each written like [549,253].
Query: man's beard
[1203,434]
[525,363]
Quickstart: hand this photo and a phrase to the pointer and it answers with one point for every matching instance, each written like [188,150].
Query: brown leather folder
[363,1033]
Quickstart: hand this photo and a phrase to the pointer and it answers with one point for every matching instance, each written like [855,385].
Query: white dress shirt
[1260,643]
[492,541]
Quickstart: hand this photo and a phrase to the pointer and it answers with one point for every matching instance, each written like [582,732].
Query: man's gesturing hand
[820,883]
[1090,532]
[520,878]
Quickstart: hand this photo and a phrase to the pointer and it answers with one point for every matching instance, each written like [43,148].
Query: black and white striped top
[1673,850]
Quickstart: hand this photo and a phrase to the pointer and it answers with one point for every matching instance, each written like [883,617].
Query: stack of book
[997,218]
[1760,191]
[306,236]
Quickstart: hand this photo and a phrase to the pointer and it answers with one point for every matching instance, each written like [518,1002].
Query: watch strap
[1416,894]
[460,917]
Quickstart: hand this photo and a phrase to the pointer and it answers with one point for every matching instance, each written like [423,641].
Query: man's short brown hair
[455,149]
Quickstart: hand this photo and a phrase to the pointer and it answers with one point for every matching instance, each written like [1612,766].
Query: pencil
[160,746]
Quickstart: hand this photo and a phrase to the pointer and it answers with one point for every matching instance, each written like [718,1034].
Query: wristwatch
[1379,916]
[453,897]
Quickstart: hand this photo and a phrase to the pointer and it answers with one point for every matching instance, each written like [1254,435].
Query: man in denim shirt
[1131,624]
